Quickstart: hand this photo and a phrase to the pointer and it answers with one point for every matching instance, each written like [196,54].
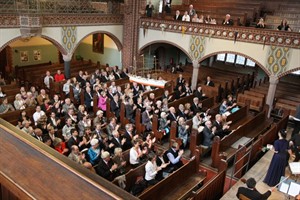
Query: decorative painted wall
[278,59]
[197,47]
[69,37]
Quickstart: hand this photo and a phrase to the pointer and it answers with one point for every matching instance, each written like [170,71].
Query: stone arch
[237,53]
[112,36]
[288,72]
[166,42]
[53,41]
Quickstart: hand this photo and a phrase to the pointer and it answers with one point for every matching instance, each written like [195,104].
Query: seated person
[151,169]
[251,192]
[174,156]
[5,106]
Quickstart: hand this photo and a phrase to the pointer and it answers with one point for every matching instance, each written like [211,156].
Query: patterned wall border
[288,72]
[238,53]
[12,21]
[244,34]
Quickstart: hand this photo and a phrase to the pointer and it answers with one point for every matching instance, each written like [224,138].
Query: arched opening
[20,52]
[162,55]
[236,62]
[99,47]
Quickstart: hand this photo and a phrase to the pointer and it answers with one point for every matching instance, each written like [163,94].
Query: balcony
[234,33]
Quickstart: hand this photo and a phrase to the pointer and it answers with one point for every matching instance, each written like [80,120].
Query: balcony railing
[235,33]
[60,6]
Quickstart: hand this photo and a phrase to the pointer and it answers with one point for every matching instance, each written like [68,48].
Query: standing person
[279,160]
[296,121]
[227,20]
[168,6]
[177,16]
[149,9]
[151,169]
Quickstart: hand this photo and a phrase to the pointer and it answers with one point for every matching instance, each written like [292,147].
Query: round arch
[288,72]
[112,36]
[165,42]
[236,53]
[53,41]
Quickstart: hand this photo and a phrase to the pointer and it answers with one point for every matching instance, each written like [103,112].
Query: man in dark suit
[115,106]
[129,135]
[196,106]
[177,16]
[251,192]
[74,140]
[106,167]
[146,118]
[199,93]
[130,111]
[88,98]
[104,78]
[208,134]
[209,82]
[222,129]
[227,21]
[172,116]
[124,73]
[180,81]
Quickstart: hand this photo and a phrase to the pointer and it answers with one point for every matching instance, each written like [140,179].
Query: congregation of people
[191,15]
[98,143]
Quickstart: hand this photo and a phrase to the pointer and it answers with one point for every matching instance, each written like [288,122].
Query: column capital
[196,64]
[273,79]
[67,57]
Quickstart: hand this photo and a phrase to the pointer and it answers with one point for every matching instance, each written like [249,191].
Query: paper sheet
[284,187]
[294,189]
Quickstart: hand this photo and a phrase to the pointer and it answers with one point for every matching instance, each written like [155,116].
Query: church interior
[149,99]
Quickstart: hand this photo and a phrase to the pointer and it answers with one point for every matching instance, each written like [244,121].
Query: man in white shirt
[47,79]
[186,17]
[37,115]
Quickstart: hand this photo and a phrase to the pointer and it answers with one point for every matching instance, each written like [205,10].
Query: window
[250,63]
[221,57]
[230,58]
[240,60]
[296,72]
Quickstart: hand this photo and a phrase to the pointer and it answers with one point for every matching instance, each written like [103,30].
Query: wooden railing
[244,34]
[28,168]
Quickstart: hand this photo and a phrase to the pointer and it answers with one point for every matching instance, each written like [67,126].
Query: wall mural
[197,47]
[98,43]
[277,59]
[69,37]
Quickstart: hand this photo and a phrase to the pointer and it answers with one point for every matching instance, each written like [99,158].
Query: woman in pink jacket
[102,101]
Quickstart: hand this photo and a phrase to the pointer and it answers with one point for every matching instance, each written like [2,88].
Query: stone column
[67,61]
[271,92]
[196,66]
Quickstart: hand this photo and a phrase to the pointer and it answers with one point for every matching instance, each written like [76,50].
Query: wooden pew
[214,187]
[13,116]
[174,186]
[256,103]
[252,129]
